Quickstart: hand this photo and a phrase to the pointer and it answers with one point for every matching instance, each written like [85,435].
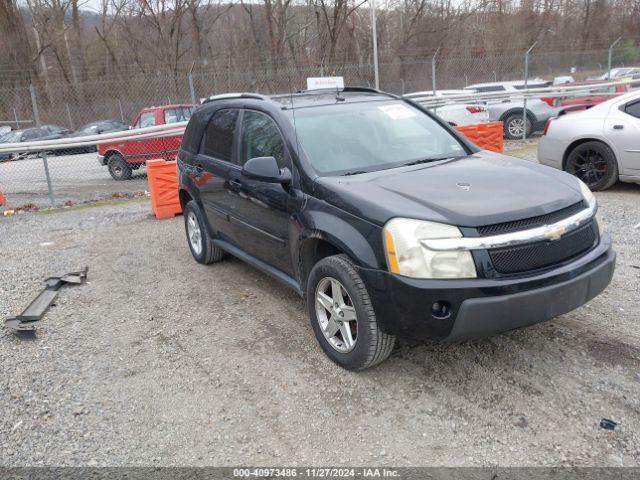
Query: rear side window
[147,119]
[260,138]
[33,133]
[178,114]
[496,88]
[633,109]
[218,136]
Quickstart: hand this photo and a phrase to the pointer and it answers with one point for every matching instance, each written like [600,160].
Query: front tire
[595,164]
[118,167]
[200,243]
[342,316]
[513,127]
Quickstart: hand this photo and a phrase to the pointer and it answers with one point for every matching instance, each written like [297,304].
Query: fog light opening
[441,309]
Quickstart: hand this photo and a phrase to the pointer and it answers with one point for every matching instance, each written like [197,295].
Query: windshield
[10,137]
[361,137]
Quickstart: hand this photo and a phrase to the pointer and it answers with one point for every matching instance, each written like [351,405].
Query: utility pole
[374,34]
[526,82]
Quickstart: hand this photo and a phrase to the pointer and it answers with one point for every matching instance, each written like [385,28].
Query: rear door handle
[618,127]
[235,183]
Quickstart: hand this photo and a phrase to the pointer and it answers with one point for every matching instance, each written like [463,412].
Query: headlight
[590,198]
[587,194]
[406,255]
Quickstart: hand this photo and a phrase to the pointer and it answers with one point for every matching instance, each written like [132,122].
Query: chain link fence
[78,176]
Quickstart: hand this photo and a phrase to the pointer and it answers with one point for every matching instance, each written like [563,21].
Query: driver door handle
[618,127]
[235,183]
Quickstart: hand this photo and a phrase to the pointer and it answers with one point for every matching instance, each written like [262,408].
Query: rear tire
[338,300]
[200,243]
[513,127]
[595,164]
[118,167]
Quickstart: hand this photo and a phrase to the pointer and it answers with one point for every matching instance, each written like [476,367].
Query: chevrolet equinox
[385,219]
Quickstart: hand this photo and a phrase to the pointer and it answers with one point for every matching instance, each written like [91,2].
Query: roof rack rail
[225,96]
[349,89]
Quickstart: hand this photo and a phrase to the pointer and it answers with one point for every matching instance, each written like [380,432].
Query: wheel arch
[577,142]
[332,236]
[311,250]
[518,110]
[110,153]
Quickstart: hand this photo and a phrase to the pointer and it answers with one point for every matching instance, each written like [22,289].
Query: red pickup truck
[121,158]
[582,102]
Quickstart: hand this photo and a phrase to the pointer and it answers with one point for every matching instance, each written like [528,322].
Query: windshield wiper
[355,172]
[428,160]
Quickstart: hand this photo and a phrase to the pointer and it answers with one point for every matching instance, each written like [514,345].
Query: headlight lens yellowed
[407,256]
[587,194]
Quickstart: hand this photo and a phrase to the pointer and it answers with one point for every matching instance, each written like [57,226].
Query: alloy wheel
[336,315]
[589,166]
[195,235]
[516,127]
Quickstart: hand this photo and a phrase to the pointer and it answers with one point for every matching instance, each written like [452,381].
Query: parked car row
[510,110]
[54,132]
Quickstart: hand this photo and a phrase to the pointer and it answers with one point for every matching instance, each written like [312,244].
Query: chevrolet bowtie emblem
[554,233]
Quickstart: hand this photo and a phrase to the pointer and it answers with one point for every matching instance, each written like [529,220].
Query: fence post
[36,117]
[15,115]
[610,54]
[526,81]
[121,112]
[69,115]
[433,70]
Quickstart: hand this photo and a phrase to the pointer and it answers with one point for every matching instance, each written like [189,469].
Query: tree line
[75,41]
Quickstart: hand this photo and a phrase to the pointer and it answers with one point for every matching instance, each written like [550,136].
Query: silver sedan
[599,146]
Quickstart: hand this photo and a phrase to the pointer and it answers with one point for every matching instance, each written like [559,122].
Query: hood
[481,189]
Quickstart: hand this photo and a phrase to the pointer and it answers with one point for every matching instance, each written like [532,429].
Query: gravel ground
[158,360]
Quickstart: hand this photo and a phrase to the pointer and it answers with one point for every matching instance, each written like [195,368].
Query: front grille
[532,222]
[538,255]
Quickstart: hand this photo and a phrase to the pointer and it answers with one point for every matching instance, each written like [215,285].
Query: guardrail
[428,100]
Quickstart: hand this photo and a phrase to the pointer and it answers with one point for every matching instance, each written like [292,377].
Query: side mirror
[266,169]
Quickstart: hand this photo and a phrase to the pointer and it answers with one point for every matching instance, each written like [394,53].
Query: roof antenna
[338,97]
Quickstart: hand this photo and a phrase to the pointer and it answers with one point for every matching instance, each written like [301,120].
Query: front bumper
[481,307]
[101,160]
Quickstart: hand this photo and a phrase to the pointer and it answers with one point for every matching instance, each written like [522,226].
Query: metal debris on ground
[25,322]
[608,424]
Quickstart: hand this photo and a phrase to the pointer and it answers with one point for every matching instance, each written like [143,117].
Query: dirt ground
[158,360]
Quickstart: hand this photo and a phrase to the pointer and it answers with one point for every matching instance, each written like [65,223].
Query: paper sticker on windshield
[397,112]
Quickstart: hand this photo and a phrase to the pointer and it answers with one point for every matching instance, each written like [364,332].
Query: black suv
[385,219]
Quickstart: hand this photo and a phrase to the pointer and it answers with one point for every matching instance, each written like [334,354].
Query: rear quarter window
[217,141]
[633,109]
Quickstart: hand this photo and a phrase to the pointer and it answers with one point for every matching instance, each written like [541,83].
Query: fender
[353,236]
[575,141]
[108,153]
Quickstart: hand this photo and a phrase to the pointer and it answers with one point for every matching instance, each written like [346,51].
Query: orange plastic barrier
[163,187]
[484,135]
